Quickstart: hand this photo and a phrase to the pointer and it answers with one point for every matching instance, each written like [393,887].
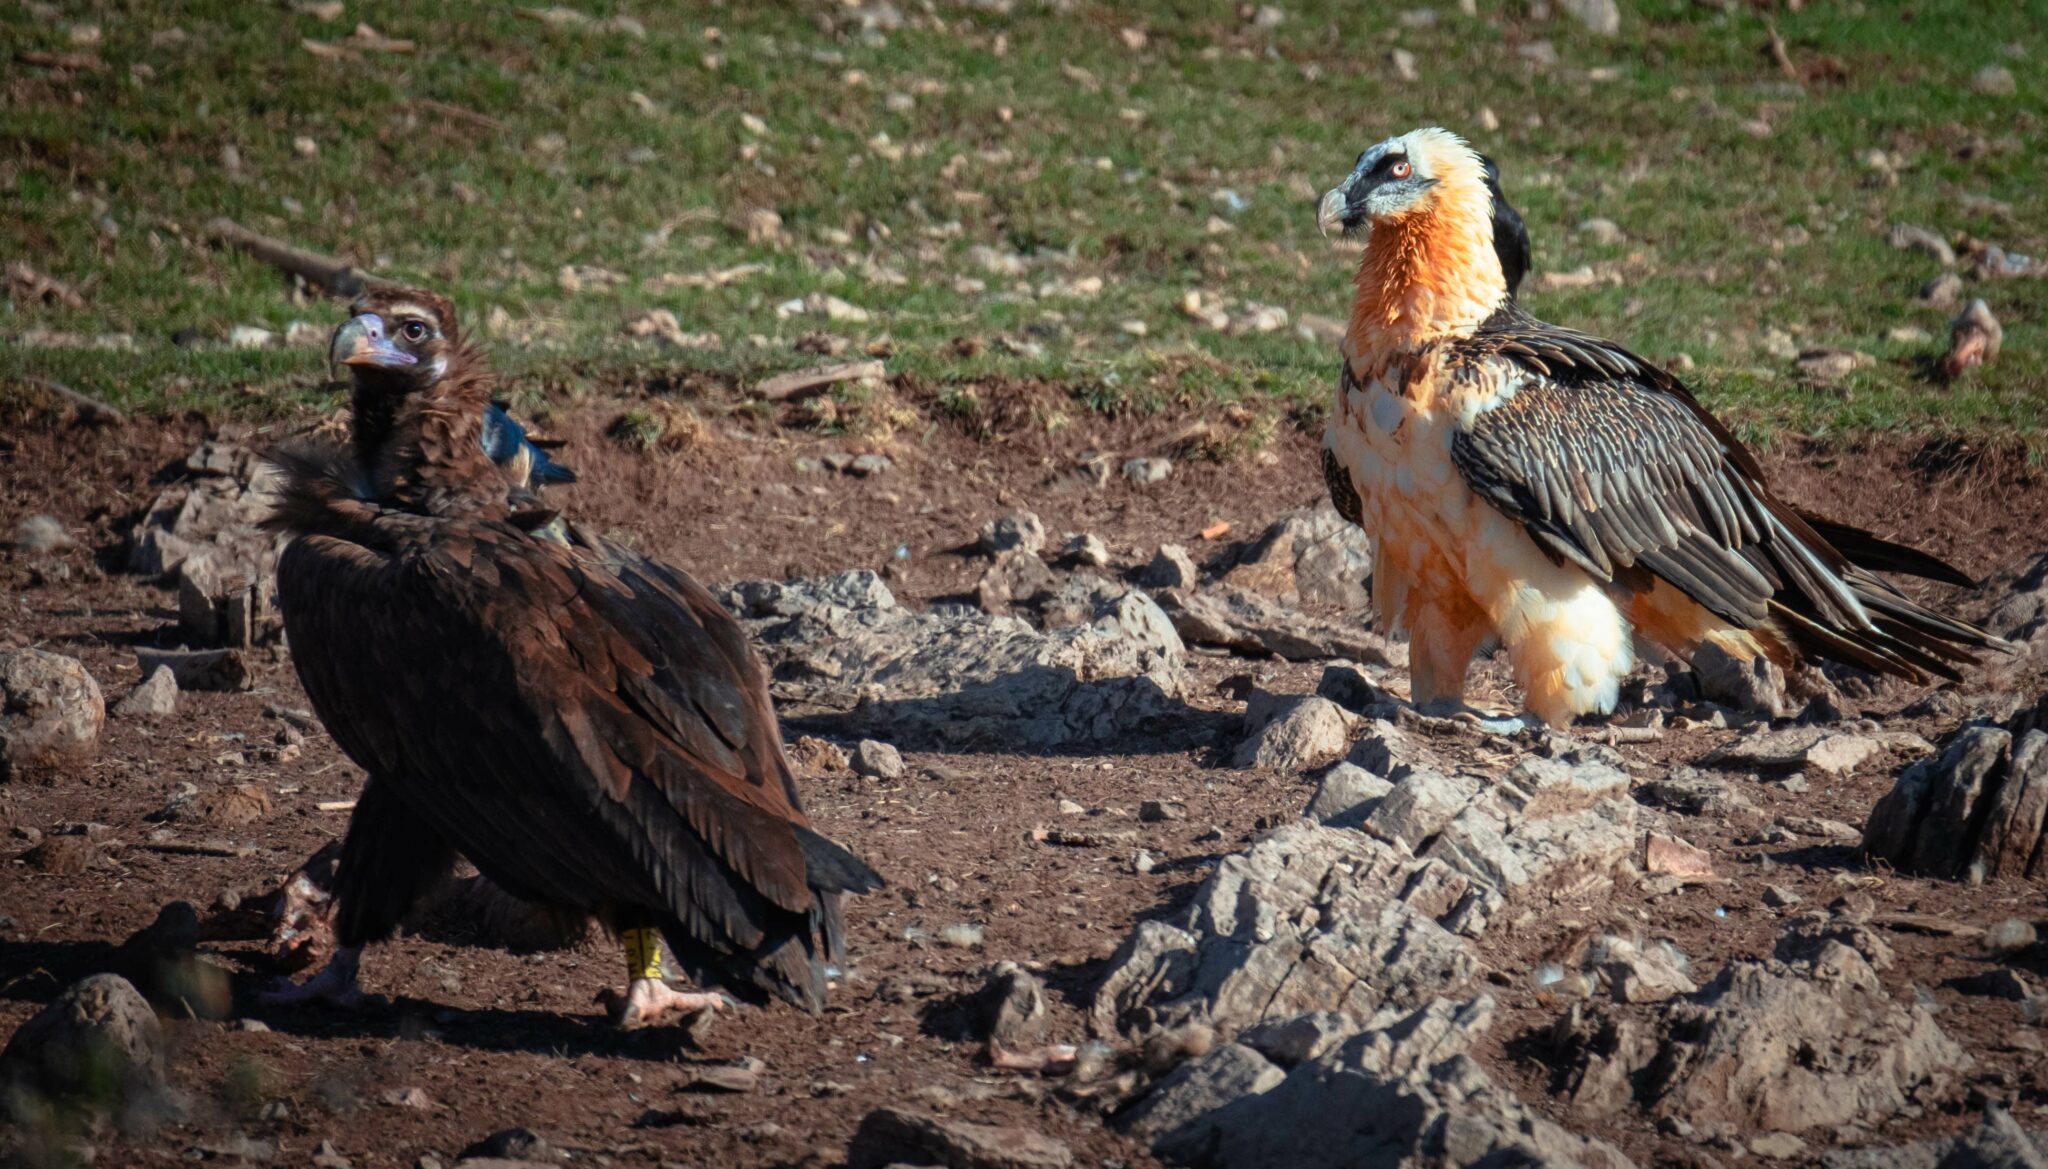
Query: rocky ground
[1176,874]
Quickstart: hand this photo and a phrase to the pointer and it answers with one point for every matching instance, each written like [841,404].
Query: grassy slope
[1037,132]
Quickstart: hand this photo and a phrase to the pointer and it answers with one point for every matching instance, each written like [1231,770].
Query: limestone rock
[219,607]
[1752,684]
[97,1047]
[1637,975]
[1018,577]
[1171,568]
[215,509]
[1313,556]
[1406,1091]
[1601,16]
[1975,811]
[1012,1007]
[1291,733]
[1199,1087]
[1020,531]
[877,760]
[1250,623]
[1769,1045]
[2021,610]
[1347,685]
[848,659]
[154,697]
[1811,748]
[199,669]
[51,712]
[1346,796]
[892,1135]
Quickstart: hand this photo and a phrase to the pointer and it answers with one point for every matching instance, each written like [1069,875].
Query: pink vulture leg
[648,999]
[335,983]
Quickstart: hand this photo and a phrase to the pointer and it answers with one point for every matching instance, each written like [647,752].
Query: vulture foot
[1496,724]
[335,983]
[650,1001]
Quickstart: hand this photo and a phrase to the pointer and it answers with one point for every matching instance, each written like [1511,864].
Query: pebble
[1996,80]
[1146,471]
[877,760]
[963,935]
[1086,548]
[2010,936]
[1601,231]
[42,533]
[1160,811]
[1779,897]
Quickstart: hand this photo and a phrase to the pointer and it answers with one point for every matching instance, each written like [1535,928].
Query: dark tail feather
[833,871]
[1867,551]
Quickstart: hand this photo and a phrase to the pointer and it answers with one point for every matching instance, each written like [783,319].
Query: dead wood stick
[1778,53]
[200,848]
[800,383]
[459,113]
[90,409]
[326,271]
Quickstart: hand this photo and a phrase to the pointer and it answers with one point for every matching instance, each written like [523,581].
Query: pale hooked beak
[1330,213]
[361,341]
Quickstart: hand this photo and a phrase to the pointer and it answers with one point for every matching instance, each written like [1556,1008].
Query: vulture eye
[1399,170]
[414,330]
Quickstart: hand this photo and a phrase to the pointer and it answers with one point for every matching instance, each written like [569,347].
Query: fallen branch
[1779,54]
[200,848]
[783,387]
[329,273]
[90,409]
[336,805]
[448,110]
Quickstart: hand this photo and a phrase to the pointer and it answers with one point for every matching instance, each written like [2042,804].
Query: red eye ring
[1399,170]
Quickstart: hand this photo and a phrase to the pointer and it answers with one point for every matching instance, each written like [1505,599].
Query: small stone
[1780,1145]
[251,337]
[1943,291]
[1602,231]
[1603,17]
[1754,684]
[900,1136]
[1012,1003]
[414,1098]
[1908,335]
[877,760]
[199,669]
[1999,983]
[1171,568]
[154,697]
[1346,796]
[962,935]
[1291,733]
[1085,548]
[1347,685]
[1020,531]
[731,1078]
[1995,80]
[1403,62]
[1828,365]
[1779,897]
[51,712]
[867,466]
[1295,1041]
[1672,856]
[97,1046]
[2010,936]
[1144,472]
[42,533]
[1160,811]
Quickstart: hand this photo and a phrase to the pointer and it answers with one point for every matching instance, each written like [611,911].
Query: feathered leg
[388,859]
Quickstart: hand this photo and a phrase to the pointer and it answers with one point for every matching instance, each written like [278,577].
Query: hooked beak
[1330,213]
[361,341]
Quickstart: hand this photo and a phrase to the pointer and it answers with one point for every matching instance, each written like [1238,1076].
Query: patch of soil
[495,1039]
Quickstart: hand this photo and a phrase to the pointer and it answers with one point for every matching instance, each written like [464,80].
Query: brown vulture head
[398,341]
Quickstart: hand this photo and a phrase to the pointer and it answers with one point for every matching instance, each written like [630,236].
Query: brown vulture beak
[361,341]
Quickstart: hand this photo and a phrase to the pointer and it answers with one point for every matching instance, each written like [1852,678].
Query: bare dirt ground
[495,1039]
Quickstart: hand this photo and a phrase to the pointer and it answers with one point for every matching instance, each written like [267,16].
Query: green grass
[1035,133]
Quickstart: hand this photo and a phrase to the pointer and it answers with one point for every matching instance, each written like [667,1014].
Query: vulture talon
[334,984]
[649,1002]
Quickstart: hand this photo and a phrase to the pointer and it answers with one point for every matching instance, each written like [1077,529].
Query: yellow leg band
[643,952]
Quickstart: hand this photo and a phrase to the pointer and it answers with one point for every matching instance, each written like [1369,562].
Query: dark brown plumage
[586,725]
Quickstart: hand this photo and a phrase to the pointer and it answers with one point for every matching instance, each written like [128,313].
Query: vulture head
[1423,174]
[397,341]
